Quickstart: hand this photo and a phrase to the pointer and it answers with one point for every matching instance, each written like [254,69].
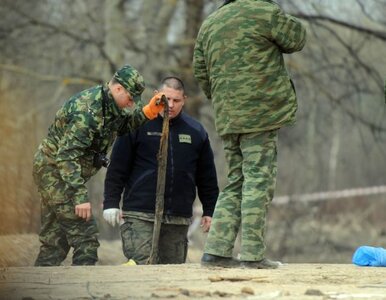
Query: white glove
[112,216]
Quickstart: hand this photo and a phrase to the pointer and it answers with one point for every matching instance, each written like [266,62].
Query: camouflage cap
[131,80]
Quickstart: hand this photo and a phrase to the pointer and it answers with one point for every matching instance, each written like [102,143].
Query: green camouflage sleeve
[287,32]
[134,120]
[199,68]
[77,138]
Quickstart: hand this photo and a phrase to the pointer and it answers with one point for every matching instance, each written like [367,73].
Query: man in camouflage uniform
[238,63]
[133,172]
[73,151]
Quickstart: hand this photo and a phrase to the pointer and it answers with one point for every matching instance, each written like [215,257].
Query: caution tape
[320,196]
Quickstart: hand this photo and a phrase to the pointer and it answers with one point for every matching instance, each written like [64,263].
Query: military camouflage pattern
[244,202]
[137,238]
[238,63]
[64,163]
[58,237]
[131,80]
[78,134]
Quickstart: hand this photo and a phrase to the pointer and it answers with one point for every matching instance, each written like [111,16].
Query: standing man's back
[238,62]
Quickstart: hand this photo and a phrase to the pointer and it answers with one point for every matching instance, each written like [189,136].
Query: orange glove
[154,107]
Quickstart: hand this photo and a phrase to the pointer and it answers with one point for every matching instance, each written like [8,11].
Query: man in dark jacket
[133,170]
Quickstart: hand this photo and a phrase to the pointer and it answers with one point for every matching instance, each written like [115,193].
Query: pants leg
[173,244]
[82,235]
[136,239]
[259,169]
[54,246]
[227,215]
[61,228]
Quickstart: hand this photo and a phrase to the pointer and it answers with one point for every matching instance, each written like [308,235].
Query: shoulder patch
[185,138]
[154,133]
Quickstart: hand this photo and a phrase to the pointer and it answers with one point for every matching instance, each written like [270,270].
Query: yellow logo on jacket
[185,138]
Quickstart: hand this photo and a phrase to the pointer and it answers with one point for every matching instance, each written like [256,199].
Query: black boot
[210,260]
[265,263]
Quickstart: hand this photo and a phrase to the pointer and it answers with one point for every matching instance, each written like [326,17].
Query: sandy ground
[110,280]
[191,281]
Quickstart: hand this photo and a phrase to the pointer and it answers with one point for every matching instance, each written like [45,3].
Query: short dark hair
[173,82]
[113,81]
[227,2]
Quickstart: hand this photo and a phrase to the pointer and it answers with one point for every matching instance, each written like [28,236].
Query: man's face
[122,97]
[176,100]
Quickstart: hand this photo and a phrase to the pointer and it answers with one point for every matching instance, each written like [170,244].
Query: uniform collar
[175,120]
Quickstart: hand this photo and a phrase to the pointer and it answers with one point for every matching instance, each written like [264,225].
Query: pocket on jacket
[148,178]
[185,185]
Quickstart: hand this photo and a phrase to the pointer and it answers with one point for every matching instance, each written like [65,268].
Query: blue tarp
[370,256]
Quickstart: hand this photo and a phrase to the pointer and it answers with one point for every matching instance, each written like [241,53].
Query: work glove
[112,216]
[154,107]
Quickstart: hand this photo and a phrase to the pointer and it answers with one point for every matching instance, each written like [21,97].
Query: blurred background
[331,194]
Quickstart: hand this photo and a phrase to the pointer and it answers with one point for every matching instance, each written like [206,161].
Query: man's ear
[114,88]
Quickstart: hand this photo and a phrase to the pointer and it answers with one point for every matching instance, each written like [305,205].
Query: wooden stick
[160,196]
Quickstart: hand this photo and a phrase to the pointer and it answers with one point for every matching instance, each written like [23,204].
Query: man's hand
[205,223]
[83,210]
[112,216]
[154,107]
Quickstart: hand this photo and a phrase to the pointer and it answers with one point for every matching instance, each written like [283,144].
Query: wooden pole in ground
[160,191]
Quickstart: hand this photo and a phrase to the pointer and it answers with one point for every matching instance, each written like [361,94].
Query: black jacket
[133,169]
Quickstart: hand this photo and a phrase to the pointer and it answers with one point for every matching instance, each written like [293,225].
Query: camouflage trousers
[61,229]
[244,202]
[137,238]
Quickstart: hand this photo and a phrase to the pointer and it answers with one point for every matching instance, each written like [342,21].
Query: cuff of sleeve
[80,199]
[149,113]
[207,213]
[110,204]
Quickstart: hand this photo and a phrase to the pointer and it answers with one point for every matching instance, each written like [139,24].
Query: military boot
[265,263]
[210,260]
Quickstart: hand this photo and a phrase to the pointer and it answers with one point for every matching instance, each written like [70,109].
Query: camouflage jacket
[80,131]
[238,63]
